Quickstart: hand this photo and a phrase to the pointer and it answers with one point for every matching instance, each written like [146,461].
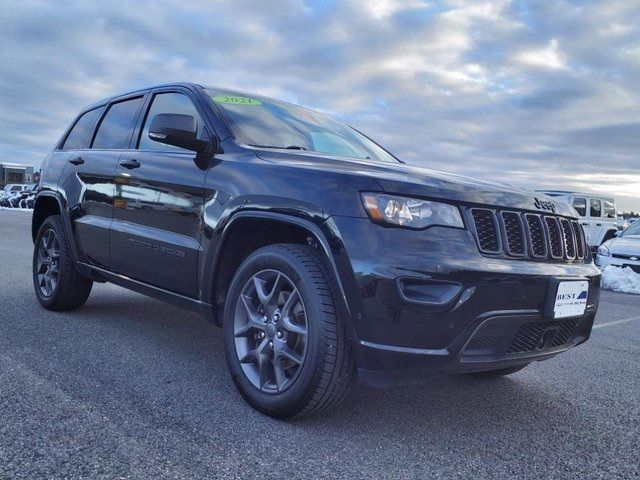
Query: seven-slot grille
[528,235]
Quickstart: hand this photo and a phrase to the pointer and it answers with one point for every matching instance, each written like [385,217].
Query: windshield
[633,229]
[266,123]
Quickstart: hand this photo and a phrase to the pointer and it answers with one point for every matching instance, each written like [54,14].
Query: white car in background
[9,191]
[598,214]
[623,250]
[13,188]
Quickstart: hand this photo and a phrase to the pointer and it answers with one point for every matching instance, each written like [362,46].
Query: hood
[625,245]
[411,180]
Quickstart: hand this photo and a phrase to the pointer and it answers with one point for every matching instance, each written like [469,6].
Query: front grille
[536,236]
[569,239]
[581,241]
[555,240]
[625,257]
[514,232]
[486,230]
[529,235]
[540,335]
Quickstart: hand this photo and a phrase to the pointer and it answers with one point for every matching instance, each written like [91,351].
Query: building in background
[16,173]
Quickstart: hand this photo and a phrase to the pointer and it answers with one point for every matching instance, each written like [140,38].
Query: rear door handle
[598,224]
[77,161]
[130,164]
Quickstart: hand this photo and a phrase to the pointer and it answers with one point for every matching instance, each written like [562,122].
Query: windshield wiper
[289,147]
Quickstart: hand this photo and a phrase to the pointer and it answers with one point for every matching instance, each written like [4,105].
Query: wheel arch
[290,229]
[608,235]
[49,203]
[46,205]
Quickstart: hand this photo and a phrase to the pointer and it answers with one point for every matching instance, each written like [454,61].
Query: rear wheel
[58,285]
[285,344]
[499,373]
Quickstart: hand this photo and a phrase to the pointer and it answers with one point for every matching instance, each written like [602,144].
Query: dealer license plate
[571,299]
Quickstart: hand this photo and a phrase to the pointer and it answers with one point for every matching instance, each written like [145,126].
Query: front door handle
[77,161]
[598,224]
[130,164]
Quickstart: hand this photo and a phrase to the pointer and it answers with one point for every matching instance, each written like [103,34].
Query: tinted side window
[595,208]
[580,204]
[81,133]
[116,126]
[609,209]
[168,103]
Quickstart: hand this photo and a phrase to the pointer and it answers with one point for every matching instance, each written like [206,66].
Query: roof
[231,91]
[140,90]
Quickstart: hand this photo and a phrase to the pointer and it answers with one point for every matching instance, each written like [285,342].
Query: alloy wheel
[270,330]
[47,263]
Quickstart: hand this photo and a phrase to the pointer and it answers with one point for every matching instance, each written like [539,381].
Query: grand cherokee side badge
[545,205]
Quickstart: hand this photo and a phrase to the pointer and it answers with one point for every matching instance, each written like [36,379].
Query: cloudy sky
[540,93]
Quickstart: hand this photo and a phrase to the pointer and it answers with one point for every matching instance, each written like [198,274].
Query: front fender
[315,232]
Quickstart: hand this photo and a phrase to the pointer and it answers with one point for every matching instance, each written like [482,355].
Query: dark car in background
[321,255]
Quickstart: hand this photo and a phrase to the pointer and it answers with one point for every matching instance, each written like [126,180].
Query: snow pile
[623,280]
[17,209]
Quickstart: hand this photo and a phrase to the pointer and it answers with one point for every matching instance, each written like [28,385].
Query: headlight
[410,212]
[603,251]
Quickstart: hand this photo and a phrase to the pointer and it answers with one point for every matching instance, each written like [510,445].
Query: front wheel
[58,285]
[285,343]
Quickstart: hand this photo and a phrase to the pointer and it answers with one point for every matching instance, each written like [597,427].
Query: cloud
[382,9]
[539,93]
[548,56]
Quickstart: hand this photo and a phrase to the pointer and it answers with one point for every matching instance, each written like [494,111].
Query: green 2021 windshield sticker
[234,100]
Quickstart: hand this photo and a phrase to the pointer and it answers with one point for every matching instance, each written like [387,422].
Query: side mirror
[616,233]
[178,130]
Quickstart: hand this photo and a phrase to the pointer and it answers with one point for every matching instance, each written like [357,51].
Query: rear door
[82,181]
[91,182]
[155,235]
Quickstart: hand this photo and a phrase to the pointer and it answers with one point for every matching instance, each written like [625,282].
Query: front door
[158,206]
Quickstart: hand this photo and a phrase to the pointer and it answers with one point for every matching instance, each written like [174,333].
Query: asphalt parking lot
[128,387]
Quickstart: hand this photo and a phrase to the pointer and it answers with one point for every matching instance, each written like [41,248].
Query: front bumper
[426,302]
[602,261]
[501,341]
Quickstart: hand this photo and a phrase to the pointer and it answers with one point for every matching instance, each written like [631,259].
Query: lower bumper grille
[503,337]
[537,336]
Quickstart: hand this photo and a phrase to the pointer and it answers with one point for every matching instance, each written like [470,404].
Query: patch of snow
[623,280]
[29,210]
[17,209]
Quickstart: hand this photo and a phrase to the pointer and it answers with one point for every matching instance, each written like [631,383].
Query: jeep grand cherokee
[321,255]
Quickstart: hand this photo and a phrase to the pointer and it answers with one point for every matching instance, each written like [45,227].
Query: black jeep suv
[321,255]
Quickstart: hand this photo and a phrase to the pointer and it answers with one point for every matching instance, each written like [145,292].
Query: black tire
[500,372]
[323,377]
[71,288]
